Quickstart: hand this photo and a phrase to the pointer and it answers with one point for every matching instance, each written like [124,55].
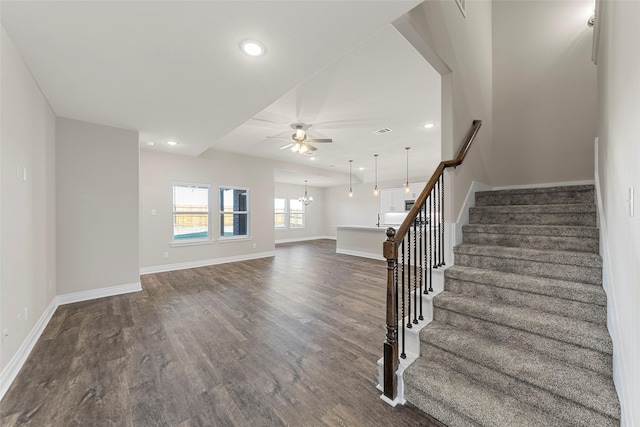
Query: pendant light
[350,186]
[407,187]
[376,193]
[306,199]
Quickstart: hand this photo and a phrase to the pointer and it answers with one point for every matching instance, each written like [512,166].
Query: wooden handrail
[462,153]
[429,240]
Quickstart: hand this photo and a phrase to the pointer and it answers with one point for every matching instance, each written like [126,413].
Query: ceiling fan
[300,141]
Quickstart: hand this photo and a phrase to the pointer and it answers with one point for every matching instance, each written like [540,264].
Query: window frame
[221,212]
[285,221]
[302,213]
[190,240]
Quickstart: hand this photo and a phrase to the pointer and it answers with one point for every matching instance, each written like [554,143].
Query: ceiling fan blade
[284,147]
[277,137]
[310,148]
[320,140]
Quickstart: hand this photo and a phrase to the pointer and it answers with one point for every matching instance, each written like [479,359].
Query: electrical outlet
[19,324]
[631,210]
[26,313]
[153,211]
[254,246]
[166,255]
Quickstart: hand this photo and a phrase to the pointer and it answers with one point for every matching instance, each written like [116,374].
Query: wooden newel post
[390,347]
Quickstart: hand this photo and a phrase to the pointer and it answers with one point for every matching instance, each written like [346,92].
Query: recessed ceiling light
[252,47]
[172,143]
[151,143]
[429,125]
[312,158]
[361,168]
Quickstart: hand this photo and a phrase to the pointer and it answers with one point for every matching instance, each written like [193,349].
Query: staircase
[519,335]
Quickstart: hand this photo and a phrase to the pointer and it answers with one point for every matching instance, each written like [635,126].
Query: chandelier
[306,199]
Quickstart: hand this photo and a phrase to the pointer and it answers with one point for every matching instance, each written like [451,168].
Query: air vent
[381,131]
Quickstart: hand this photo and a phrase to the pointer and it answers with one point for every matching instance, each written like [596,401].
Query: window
[234,212]
[190,212]
[280,213]
[296,214]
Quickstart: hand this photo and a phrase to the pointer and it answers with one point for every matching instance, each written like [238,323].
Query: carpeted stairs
[519,335]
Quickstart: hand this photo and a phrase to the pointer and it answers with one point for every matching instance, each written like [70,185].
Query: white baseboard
[304,239]
[360,254]
[10,372]
[98,293]
[545,185]
[619,361]
[204,262]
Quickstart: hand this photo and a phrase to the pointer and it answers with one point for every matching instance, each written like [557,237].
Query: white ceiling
[174,71]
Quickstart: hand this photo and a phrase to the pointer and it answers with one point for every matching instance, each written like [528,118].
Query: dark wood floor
[291,340]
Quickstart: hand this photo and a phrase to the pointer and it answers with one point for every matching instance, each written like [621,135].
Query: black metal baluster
[415,273]
[434,227]
[438,224]
[442,263]
[422,287]
[430,220]
[408,241]
[403,354]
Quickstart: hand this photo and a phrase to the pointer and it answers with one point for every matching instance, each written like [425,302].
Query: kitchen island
[362,240]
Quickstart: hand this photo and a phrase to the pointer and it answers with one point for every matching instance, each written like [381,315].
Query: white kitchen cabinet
[392,200]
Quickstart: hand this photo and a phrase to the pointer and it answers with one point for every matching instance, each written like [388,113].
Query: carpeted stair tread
[588,358]
[574,194]
[581,267]
[551,257]
[570,215]
[457,400]
[566,238]
[539,230]
[571,299]
[588,389]
[577,332]
[564,289]
[522,297]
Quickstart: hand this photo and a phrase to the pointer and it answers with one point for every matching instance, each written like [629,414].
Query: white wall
[544,96]
[97,206]
[314,212]
[618,161]
[339,209]
[28,213]
[157,173]
[463,48]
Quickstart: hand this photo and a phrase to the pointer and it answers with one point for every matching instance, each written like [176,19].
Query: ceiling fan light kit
[300,143]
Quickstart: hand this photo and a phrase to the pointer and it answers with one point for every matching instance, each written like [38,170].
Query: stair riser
[568,308]
[589,275]
[435,408]
[497,198]
[573,413]
[581,356]
[481,216]
[533,242]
